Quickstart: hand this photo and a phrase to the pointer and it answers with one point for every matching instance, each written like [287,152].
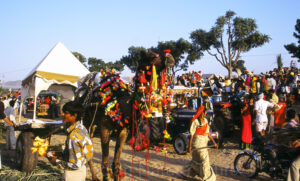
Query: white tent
[58,71]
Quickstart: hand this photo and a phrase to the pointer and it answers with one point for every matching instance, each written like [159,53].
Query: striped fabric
[78,148]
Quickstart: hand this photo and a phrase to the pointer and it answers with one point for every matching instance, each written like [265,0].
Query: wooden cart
[25,159]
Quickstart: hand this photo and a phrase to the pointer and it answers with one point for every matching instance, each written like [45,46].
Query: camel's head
[87,84]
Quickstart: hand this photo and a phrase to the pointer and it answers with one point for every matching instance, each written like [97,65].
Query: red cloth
[280,115]
[202,130]
[16,94]
[47,100]
[246,129]
[226,104]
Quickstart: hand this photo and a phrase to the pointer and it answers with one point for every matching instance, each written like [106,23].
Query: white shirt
[271,83]
[6,103]
[10,114]
[261,107]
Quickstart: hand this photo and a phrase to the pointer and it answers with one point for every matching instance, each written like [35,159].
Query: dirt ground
[160,166]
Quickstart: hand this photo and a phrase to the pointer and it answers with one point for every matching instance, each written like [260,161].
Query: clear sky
[106,29]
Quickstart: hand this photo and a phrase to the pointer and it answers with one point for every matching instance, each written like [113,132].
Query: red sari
[280,114]
[246,129]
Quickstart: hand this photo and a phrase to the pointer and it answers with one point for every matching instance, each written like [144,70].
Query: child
[79,148]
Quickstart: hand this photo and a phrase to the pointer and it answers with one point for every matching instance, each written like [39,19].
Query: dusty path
[158,167]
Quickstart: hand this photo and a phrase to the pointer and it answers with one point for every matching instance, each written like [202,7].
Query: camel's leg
[118,150]
[105,135]
[93,171]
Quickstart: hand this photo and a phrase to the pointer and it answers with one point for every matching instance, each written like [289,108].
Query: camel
[109,104]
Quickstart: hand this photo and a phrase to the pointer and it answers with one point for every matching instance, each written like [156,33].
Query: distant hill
[17,84]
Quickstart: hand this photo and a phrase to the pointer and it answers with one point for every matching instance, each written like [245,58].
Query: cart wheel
[180,144]
[25,159]
[220,139]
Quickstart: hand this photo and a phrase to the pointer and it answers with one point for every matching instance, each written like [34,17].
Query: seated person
[291,117]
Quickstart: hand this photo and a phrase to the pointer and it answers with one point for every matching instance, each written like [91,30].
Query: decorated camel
[111,106]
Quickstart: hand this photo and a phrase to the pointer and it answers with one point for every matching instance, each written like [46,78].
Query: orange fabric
[226,104]
[280,115]
[207,92]
[201,130]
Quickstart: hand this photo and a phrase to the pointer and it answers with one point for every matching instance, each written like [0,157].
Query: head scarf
[198,113]
[261,96]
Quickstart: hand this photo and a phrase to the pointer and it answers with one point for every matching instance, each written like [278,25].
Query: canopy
[58,71]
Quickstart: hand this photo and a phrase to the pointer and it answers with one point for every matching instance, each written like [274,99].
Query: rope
[132,161]
[93,117]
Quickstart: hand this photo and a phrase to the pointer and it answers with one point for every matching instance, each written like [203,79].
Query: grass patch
[43,171]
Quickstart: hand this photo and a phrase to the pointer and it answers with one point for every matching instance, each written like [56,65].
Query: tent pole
[35,97]
[21,110]
[34,108]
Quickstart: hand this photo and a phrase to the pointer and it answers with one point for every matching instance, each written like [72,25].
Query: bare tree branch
[215,55]
[233,54]
[238,55]
[229,42]
[223,48]
[222,56]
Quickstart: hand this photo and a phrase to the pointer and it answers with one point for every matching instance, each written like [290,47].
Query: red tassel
[164,101]
[163,78]
[121,174]
[131,141]
[142,78]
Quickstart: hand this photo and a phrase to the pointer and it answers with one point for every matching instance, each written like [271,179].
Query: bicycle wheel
[245,165]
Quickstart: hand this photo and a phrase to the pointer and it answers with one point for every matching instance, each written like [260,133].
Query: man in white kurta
[260,108]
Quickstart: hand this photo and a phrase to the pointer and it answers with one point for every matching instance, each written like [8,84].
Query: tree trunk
[229,72]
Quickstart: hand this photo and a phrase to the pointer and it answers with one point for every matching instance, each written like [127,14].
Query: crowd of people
[264,103]
[280,88]
[10,109]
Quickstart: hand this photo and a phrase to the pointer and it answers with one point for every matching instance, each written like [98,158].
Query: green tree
[293,48]
[240,65]
[279,62]
[95,64]
[80,57]
[181,50]
[133,58]
[118,65]
[229,37]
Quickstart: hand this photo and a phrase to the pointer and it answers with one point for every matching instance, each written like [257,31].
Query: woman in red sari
[246,129]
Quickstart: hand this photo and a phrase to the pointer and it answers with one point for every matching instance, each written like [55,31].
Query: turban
[261,96]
